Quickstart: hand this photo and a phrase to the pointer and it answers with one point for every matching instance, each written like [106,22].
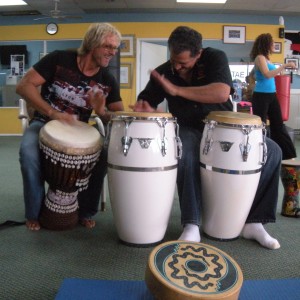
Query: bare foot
[33,225]
[88,223]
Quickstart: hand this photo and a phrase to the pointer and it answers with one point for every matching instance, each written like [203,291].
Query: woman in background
[264,101]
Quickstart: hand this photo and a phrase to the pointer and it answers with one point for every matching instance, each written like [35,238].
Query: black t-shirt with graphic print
[66,86]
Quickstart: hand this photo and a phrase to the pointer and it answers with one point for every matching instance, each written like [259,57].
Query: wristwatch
[51,28]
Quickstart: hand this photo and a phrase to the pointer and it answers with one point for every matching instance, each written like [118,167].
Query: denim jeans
[34,181]
[263,209]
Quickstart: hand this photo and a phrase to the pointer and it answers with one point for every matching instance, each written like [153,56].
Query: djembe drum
[232,152]
[69,153]
[184,270]
[143,151]
[290,178]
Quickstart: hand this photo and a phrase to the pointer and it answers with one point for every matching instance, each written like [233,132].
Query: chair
[24,116]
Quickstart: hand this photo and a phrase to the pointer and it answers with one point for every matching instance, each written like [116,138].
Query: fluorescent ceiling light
[12,2]
[203,1]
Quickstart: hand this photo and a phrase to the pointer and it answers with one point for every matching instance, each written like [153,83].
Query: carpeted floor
[35,264]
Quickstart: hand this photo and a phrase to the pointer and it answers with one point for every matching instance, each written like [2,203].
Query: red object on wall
[283,87]
[295,47]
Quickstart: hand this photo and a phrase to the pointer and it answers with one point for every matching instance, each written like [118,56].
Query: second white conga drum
[232,152]
[142,170]
[179,270]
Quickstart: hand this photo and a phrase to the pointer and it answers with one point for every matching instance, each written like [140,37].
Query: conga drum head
[184,270]
[291,162]
[141,115]
[229,117]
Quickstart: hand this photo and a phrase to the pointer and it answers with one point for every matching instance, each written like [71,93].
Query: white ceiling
[85,7]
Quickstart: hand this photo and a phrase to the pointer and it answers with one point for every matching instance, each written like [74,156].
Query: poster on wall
[291,43]
[292,48]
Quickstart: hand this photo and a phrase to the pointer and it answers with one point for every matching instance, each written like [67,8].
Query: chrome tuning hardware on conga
[126,140]
[246,147]
[264,145]
[208,139]
[162,124]
[178,142]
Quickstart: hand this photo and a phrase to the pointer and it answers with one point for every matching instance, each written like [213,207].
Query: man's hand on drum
[142,106]
[97,99]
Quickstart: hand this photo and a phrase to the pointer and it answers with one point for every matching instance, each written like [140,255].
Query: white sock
[256,231]
[190,233]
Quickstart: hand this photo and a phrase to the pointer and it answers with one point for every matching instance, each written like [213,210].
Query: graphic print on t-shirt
[69,92]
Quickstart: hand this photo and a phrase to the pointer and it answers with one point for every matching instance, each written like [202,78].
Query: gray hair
[95,36]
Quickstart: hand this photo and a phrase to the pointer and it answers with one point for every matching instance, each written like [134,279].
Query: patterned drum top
[193,270]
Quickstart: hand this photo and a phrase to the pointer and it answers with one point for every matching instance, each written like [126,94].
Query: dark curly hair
[184,38]
[262,46]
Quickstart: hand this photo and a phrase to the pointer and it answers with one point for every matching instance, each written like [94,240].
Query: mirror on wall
[18,56]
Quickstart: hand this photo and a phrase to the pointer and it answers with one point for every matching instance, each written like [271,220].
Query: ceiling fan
[57,14]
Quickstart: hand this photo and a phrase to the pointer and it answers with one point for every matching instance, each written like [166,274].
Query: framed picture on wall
[126,76]
[127,46]
[277,47]
[234,34]
[293,60]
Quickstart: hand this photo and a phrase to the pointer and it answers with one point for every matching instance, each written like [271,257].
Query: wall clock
[52,28]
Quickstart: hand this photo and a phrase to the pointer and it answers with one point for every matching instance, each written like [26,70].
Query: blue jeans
[34,181]
[263,209]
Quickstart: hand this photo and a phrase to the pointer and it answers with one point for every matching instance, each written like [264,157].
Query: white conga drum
[232,152]
[142,170]
[69,153]
[179,270]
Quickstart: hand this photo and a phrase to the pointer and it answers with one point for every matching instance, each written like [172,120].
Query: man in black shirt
[73,84]
[195,81]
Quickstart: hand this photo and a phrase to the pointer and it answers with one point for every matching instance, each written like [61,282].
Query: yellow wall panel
[140,29]
[9,122]
[8,117]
